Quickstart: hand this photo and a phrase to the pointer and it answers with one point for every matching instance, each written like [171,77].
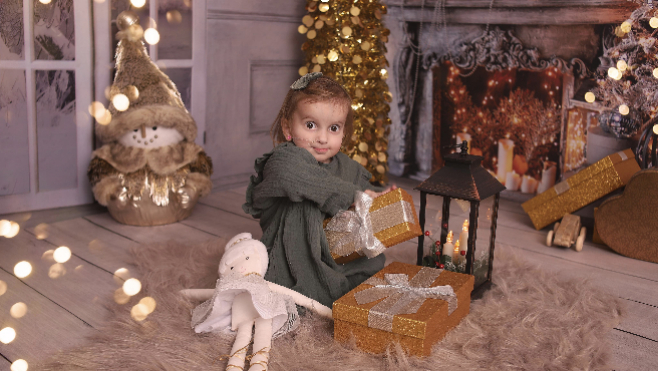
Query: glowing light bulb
[653,22]
[613,72]
[5,227]
[590,97]
[18,310]
[139,312]
[7,335]
[625,27]
[62,254]
[138,3]
[655,131]
[384,73]
[449,237]
[323,7]
[132,286]
[19,365]
[332,56]
[11,231]
[622,65]
[152,36]
[3,287]
[45,1]
[623,109]
[22,269]
[302,29]
[465,226]
[149,302]
[105,119]
[655,72]
[121,102]
[96,109]
[303,70]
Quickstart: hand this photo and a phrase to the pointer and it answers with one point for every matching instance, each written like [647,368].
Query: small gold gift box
[583,188]
[394,220]
[410,307]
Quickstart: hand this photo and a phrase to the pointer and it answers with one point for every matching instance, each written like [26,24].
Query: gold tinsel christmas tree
[346,41]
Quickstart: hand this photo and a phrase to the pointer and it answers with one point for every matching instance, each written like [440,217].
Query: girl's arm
[197,294]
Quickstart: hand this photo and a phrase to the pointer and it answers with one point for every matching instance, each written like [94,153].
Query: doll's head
[316,115]
[242,256]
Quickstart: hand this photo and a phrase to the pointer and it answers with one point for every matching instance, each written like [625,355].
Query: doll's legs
[262,344]
[239,350]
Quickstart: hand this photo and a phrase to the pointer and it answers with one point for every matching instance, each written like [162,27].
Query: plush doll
[149,170]
[243,301]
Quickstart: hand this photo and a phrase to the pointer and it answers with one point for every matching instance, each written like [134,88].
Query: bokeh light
[149,302]
[18,310]
[3,287]
[174,17]
[41,231]
[590,97]
[96,109]
[22,269]
[14,228]
[56,271]
[613,72]
[45,1]
[653,22]
[332,55]
[120,102]
[622,65]
[623,109]
[5,226]
[139,312]
[655,131]
[152,36]
[7,335]
[626,27]
[62,254]
[138,3]
[48,256]
[19,365]
[655,72]
[121,275]
[132,286]
[105,119]
[120,297]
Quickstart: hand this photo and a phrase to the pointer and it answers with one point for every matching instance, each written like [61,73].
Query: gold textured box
[583,188]
[416,332]
[394,221]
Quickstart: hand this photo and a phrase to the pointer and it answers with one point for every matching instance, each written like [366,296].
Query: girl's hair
[321,89]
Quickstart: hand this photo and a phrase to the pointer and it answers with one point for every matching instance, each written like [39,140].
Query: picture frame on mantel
[510,105]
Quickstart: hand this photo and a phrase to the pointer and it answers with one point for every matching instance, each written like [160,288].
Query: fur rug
[531,320]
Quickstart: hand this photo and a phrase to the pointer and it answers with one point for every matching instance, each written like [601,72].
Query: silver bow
[358,230]
[402,296]
[302,82]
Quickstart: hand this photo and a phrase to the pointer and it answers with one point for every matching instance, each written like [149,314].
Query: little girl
[304,180]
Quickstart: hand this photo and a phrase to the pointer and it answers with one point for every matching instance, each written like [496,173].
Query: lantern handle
[463,147]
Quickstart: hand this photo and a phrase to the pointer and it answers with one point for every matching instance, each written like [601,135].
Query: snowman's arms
[197,294]
[98,170]
[302,300]
[202,164]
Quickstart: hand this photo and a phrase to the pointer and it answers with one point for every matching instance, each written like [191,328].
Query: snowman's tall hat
[154,99]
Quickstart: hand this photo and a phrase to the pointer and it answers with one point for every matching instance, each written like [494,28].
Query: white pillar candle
[513,181]
[455,255]
[505,158]
[448,247]
[463,237]
[464,137]
[547,178]
[529,184]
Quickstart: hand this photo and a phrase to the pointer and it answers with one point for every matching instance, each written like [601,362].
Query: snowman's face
[151,137]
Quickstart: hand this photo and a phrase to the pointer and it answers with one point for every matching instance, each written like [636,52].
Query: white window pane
[56,130]
[175,27]
[11,30]
[182,78]
[14,148]
[54,30]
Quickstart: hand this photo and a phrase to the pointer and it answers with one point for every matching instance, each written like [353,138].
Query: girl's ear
[285,128]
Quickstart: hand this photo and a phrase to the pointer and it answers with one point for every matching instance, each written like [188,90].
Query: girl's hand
[374,194]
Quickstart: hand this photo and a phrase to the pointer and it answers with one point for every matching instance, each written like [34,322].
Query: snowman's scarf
[162,161]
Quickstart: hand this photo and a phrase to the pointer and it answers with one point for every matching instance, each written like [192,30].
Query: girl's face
[318,128]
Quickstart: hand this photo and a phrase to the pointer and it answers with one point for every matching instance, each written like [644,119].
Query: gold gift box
[401,232]
[417,332]
[583,188]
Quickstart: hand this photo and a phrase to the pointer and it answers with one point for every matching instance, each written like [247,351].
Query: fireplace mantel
[564,28]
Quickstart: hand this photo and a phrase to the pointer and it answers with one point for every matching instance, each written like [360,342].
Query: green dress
[292,194]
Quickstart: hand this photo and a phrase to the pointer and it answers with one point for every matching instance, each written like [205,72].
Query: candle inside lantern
[447,247]
[463,236]
[505,158]
[464,137]
[455,255]
[547,176]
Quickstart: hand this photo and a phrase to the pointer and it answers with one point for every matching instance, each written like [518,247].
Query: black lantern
[463,177]
[646,152]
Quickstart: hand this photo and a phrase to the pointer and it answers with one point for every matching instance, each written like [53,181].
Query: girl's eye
[334,128]
[310,125]
[231,268]
[155,128]
[247,258]
[135,130]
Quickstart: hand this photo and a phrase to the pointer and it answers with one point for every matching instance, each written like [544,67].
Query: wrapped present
[583,188]
[372,226]
[412,305]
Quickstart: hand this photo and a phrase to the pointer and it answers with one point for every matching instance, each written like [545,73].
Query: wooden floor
[64,308]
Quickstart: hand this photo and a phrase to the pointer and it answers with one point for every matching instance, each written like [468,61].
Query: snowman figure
[149,171]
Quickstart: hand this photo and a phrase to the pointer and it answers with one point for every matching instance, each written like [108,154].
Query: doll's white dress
[215,313]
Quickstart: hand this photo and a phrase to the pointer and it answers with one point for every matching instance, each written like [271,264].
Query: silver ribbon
[402,296]
[358,230]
